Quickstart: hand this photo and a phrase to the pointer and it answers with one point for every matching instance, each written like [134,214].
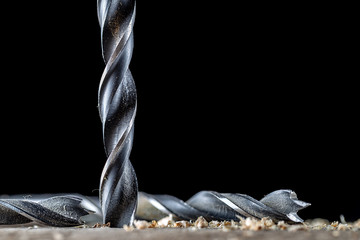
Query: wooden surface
[167,233]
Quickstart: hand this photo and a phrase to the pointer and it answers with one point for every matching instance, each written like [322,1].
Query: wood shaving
[101,225]
[201,223]
[166,221]
[182,224]
[142,224]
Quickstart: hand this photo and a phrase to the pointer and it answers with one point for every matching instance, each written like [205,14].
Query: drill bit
[58,211]
[280,205]
[117,108]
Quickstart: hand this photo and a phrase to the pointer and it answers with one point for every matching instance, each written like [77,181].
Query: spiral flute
[117,108]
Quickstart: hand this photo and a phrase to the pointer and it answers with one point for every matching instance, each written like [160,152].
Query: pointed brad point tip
[302,204]
[294,217]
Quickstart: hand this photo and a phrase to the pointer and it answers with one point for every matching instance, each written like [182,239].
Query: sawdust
[250,224]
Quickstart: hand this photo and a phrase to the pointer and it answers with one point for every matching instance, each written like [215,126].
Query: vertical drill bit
[117,109]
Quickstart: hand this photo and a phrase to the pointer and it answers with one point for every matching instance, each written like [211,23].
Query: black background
[246,99]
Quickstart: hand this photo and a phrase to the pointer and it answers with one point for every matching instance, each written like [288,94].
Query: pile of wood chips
[246,224]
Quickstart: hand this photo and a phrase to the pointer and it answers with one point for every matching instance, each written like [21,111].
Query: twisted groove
[117,108]
[278,205]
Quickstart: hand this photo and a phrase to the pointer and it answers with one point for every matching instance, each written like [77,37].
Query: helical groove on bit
[117,108]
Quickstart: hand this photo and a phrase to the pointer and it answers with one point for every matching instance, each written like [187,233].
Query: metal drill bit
[117,108]
[278,205]
[58,211]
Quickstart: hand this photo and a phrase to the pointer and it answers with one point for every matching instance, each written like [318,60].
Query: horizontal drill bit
[278,205]
[58,211]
